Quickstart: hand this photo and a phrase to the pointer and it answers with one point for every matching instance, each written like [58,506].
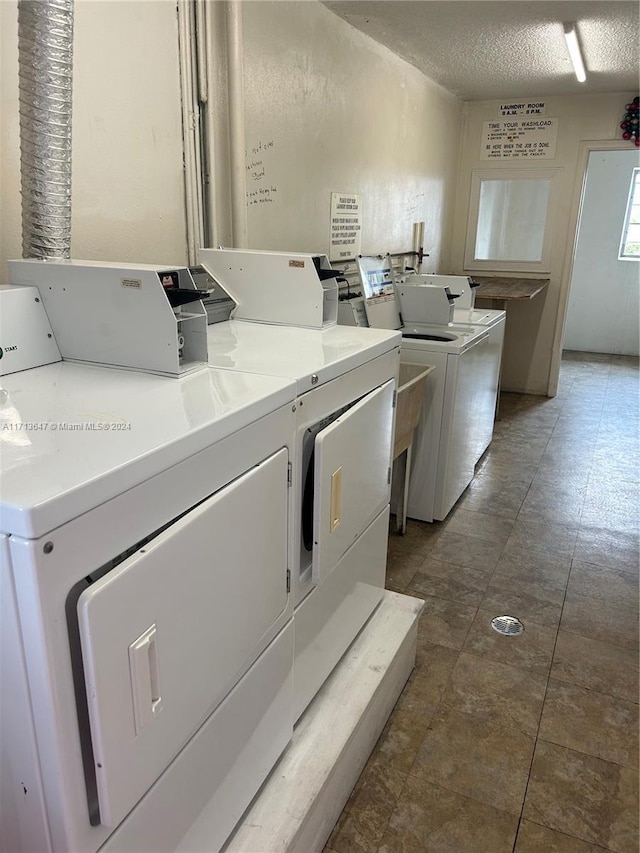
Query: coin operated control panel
[133,316]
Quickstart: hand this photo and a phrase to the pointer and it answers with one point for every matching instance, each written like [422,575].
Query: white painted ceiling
[485,49]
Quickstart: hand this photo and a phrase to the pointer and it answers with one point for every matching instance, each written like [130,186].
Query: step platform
[302,799]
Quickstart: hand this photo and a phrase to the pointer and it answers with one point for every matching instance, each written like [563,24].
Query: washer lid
[478,316]
[73,436]
[450,339]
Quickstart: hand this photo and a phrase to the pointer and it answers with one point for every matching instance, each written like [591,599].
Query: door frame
[584,151]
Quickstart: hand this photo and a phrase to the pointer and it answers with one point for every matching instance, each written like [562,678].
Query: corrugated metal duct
[45,59]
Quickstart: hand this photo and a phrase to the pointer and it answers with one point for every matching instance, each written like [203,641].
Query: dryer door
[167,633]
[351,477]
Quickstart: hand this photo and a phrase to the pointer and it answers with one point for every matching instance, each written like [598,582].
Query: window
[511,219]
[511,216]
[630,243]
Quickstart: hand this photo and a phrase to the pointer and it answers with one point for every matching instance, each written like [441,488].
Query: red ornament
[629,123]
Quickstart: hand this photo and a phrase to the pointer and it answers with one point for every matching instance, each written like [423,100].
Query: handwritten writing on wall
[258,162]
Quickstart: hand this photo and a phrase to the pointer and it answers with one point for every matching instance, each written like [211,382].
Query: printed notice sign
[523,108]
[519,139]
[346,226]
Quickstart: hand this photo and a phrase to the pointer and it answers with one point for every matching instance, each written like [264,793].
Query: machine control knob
[314,379]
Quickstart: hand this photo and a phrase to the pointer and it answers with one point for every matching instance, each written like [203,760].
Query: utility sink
[412,380]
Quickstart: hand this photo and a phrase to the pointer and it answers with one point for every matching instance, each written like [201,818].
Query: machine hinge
[395,398]
[388,476]
[289,474]
[288,580]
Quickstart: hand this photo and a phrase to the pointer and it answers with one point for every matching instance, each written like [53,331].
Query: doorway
[603,308]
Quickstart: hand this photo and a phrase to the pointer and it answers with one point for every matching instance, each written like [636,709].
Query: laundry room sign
[346,226]
[519,139]
[523,108]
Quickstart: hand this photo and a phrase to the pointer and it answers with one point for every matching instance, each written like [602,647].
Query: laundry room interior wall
[531,326]
[330,110]
[327,110]
[128,189]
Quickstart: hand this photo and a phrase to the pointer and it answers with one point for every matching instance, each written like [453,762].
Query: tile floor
[529,743]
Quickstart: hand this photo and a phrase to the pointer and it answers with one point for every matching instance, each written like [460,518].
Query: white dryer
[345,390]
[146,669]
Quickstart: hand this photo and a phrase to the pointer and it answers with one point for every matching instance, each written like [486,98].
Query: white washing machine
[425,297]
[458,413]
[464,310]
[146,659]
[345,391]
[457,416]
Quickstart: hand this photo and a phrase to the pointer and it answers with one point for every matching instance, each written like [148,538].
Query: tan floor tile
[429,818]
[401,567]
[531,650]
[533,838]
[553,540]
[482,525]
[429,678]
[596,666]
[402,738]
[417,539]
[594,515]
[530,573]
[600,619]
[596,581]
[555,504]
[347,838]
[494,500]
[585,797]
[590,722]
[476,758]
[465,584]
[525,607]
[368,810]
[463,550]
[458,721]
[479,687]
[608,548]
[610,496]
[444,623]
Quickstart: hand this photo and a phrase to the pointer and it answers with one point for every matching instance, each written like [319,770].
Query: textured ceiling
[505,48]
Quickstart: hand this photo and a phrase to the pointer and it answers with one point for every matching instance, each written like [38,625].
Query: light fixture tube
[574,51]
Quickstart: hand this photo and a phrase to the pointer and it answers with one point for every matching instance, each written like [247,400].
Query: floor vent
[509,626]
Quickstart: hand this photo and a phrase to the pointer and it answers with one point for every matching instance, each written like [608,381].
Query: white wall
[341,113]
[604,309]
[531,327]
[128,196]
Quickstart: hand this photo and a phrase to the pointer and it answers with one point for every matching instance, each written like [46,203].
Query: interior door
[351,476]
[168,632]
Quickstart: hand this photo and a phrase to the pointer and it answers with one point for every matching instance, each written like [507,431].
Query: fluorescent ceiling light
[574,51]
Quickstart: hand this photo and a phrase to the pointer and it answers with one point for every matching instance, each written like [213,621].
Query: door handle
[145,681]
[336,499]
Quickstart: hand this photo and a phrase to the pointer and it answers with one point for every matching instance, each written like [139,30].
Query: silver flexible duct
[45,61]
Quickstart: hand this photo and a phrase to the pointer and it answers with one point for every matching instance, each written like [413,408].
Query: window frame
[632,201]
[471,263]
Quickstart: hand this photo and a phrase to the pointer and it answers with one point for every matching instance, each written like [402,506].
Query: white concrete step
[303,797]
